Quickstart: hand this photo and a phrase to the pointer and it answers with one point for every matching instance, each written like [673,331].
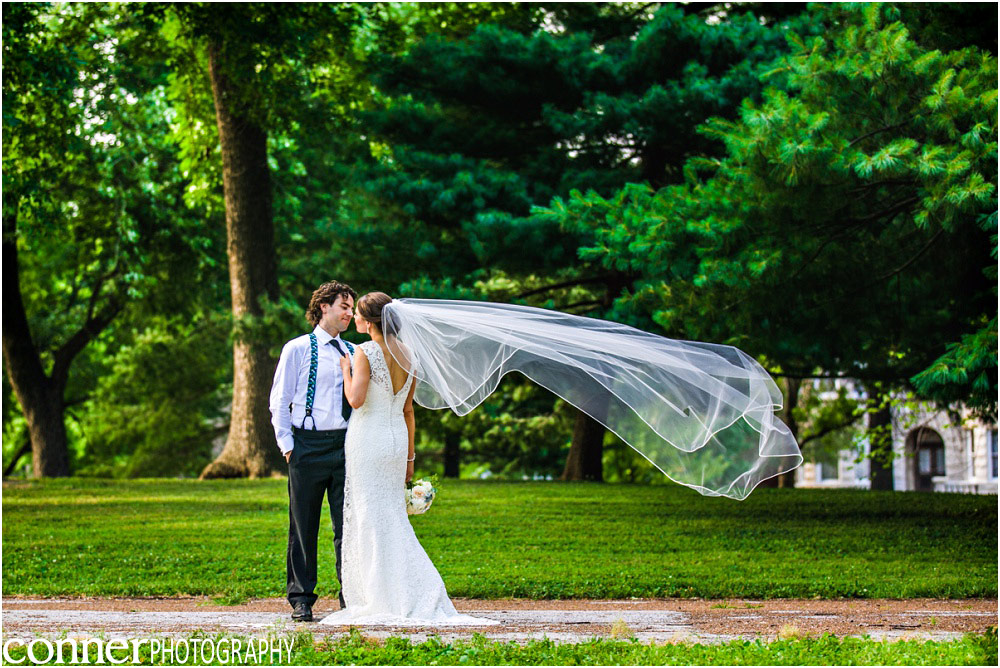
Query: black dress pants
[315,469]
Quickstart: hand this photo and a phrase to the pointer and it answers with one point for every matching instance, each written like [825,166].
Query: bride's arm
[411,429]
[356,381]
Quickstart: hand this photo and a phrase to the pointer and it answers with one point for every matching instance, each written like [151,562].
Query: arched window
[927,447]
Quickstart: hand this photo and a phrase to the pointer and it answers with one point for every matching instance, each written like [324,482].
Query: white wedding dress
[388,578]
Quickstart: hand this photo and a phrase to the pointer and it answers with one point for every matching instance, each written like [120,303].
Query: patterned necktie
[345,406]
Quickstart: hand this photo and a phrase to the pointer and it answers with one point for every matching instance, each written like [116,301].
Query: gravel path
[660,620]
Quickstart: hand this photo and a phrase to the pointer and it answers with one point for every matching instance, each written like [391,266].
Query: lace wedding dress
[388,578]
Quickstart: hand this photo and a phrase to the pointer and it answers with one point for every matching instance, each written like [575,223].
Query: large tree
[252,263]
[263,62]
[86,188]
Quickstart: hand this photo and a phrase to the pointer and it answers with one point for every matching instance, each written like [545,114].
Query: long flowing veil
[704,414]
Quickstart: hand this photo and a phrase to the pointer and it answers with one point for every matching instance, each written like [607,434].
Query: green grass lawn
[972,649]
[495,540]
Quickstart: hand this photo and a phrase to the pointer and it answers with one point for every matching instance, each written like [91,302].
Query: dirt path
[564,621]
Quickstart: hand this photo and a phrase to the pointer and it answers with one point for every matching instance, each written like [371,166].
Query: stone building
[934,452]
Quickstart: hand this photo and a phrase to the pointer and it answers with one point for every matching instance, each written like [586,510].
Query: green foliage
[967,372]
[828,426]
[91,189]
[520,432]
[93,198]
[76,210]
[474,125]
[39,76]
[734,181]
[479,129]
[851,226]
[825,650]
[283,53]
[356,649]
[496,540]
[156,410]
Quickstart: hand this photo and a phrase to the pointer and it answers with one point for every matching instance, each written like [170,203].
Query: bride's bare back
[397,373]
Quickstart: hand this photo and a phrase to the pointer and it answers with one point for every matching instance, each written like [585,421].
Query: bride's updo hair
[370,307]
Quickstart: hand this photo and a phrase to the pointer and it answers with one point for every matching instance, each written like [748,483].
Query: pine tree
[476,131]
[849,230]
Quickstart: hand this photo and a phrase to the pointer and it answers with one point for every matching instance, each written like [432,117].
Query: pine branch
[843,229]
[809,261]
[883,129]
[912,259]
[565,284]
[887,182]
[888,212]
[589,302]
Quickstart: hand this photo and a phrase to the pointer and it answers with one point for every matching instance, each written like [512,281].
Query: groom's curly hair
[327,294]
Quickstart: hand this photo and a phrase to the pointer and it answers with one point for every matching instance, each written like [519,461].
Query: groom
[310,414]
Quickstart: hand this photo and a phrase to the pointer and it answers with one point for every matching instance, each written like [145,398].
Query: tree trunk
[654,165]
[452,454]
[40,398]
[792,402]
[880,440]
[585,460]
[586,456]
[251,449]
[47,427]
[21,452]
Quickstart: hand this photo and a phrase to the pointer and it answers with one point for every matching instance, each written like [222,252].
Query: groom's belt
[317,434]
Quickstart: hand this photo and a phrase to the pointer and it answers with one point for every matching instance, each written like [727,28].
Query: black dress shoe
[302,612]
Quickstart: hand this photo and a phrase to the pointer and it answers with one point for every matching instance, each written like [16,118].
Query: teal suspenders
[311,387]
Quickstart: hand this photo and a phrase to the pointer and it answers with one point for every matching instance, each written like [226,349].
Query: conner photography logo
[270,650]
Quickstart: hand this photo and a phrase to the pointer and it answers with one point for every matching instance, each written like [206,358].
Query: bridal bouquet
[419,496]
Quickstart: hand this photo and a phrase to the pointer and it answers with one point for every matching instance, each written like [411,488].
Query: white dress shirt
[291,382]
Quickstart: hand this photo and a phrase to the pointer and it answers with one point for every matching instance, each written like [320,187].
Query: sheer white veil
[704,414]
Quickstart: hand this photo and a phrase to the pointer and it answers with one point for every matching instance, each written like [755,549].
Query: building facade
[933,452]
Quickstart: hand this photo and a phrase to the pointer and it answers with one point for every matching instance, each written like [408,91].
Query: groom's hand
[288,456]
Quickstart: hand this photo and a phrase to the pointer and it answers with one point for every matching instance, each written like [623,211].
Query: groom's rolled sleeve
[282,394]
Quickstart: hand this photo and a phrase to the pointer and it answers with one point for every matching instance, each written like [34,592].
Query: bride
[388,577]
